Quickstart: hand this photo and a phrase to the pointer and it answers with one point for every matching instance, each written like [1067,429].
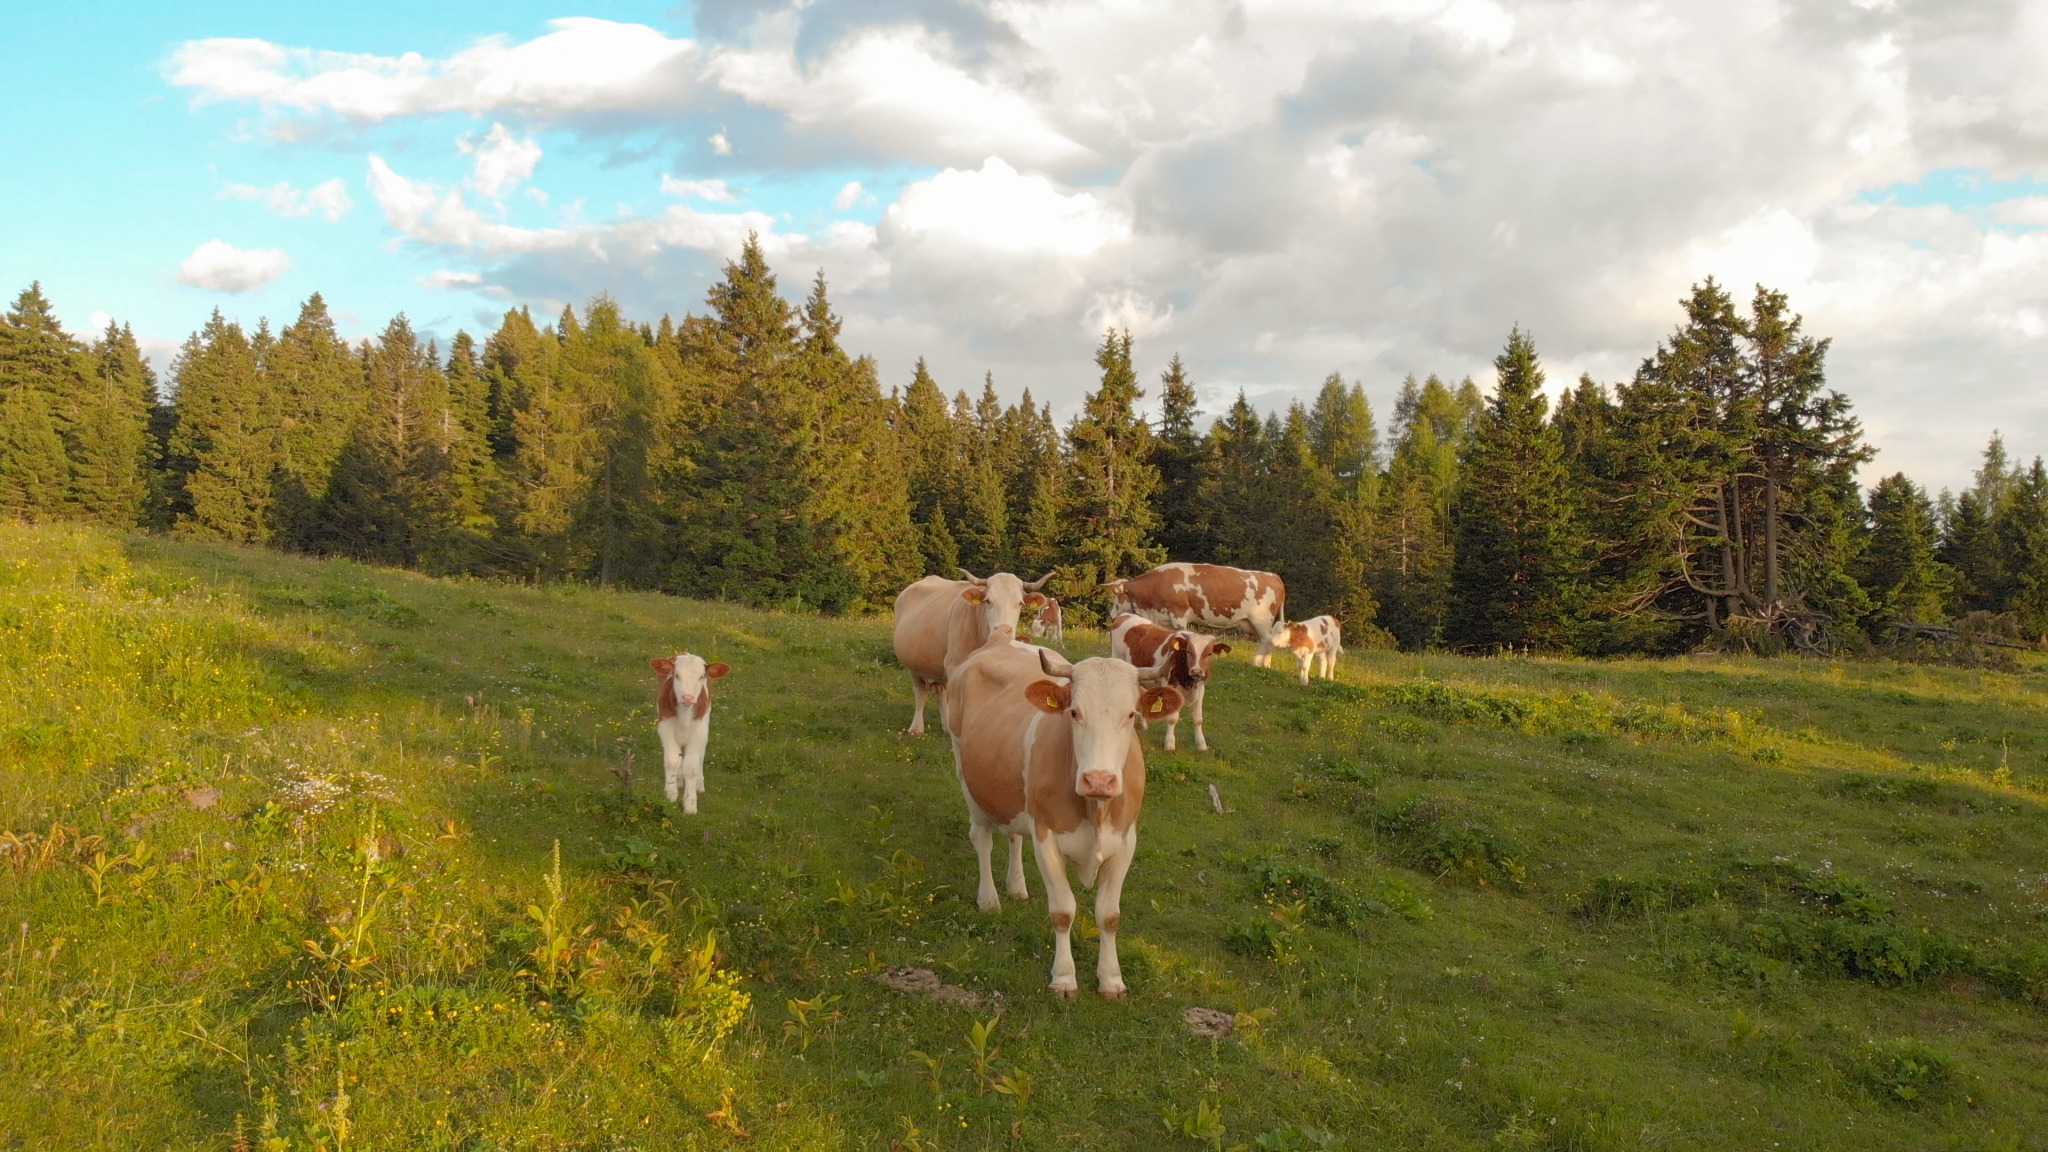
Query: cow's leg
[1109,891]
[694,740]
[984,837]
[1013,881]
[1172,724]
[1303,661]
[1201,692]
[1059,899]
[671,759]
[918,686]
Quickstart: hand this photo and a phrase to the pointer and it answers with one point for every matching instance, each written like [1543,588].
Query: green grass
[278,870]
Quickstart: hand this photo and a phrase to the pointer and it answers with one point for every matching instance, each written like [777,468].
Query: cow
[685,683]
[940,622]
[1209,596]
[1046,749]
[1320,639]
[1182,658]
[1049,622]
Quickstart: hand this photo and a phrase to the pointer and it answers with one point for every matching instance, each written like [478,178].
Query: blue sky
[1276,192]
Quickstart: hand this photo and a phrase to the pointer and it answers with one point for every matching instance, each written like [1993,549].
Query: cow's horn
[1046,660]
[972,577]
[1035,585]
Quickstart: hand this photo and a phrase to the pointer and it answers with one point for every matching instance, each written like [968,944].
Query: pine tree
[1518,552]
[930,444]
[319,391]
[1234,485]
[1341,432]
[2021,530]
[113,453]
[224,448]
[390,498]
[1177,453]
[1899,569]
[1111,481]
[1411,580]
[33,468]
[1968,546]
[37,355]
[984,536]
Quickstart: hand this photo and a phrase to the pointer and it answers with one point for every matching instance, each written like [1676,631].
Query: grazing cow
[685,684]
[1320,638]
[1208,596]
[940,622]
[1182,658]
[1049,623]
[1045,748]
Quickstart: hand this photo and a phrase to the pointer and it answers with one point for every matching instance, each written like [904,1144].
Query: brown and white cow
[1319,639]
[1045,748]
[1179,595]
[685,684]
[1049,624]
[1181,658]
[940,622]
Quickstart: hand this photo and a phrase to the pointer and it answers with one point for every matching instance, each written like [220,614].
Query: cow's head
[1198,651]
[1100,699]
[1120,598]
[1050,613]
[689,673]
[1002,598]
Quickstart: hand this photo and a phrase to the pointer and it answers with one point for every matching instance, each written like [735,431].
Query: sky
[1273,190]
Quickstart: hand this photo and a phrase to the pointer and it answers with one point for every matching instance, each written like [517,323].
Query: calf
[1181,658]
[1048,623]
[685,684]
[1319,639]
[1045,748]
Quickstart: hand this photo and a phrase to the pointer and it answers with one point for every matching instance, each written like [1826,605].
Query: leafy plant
[806,1017]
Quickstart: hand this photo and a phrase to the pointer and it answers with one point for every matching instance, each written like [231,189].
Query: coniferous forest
[745,454]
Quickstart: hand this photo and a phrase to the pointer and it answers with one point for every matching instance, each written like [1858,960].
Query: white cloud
[442,280]
[719,144]
[423,211]
[2029,211]
[582,65]
[100,320]
[701,189]
[997,207]
[221,267]
[848,196]
[329,199]
[503,162]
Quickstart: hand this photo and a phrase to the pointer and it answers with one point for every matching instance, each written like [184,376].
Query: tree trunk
[1770,540]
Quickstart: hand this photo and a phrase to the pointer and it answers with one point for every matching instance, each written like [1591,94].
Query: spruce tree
[113,453]
[1905,580]
[1177,453]
[2021,531]
[320,394]
[930,447]
[33,468]
[1518,553]
[1111,480]
[1969,547]
[225,444]
[1341,432]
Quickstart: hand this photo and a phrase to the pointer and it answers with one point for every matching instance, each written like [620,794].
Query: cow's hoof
[1113,992]
[989,904]
[1066,993]
[1019,893]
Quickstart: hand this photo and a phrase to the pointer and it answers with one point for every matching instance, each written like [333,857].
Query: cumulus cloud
[442,280]
[330,199]
[1376,186]
[503,162]
[221,267]
[701,189]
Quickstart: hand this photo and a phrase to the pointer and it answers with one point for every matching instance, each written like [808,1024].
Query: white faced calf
[1319,640]
[683,719]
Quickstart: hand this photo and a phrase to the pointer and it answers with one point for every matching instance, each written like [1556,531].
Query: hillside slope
[277,866]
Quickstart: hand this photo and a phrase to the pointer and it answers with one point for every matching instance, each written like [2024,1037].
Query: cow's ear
[974,594]
[1159,701]
[1219,649]
[666,665]
[1176,643]
[1033,600]
[715,671]
[1047,696]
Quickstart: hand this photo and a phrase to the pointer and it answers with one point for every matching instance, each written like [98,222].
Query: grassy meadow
[300,855]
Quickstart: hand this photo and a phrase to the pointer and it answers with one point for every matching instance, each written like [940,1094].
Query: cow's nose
[1099,785]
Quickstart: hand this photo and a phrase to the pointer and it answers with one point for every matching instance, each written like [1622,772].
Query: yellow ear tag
[1157,705]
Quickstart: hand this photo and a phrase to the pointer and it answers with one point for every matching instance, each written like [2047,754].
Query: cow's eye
[1133,715]
[1076,713]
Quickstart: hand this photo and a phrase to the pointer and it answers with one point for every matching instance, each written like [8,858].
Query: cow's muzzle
[1100,785]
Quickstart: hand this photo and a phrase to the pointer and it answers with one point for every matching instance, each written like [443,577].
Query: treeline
[745,454]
